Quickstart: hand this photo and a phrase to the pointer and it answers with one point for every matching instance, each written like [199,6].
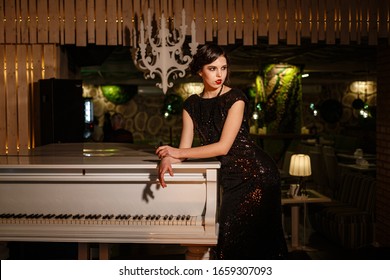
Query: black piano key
[170,217]
[178,217]
[135,217]
[188,217]
[165,217]
[158,217]
[140,217]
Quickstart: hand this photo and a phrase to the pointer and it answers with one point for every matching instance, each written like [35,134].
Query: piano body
[106,193]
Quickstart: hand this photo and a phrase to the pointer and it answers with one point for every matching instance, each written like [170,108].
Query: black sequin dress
[250,215]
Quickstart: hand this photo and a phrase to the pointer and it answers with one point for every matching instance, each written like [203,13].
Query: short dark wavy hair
[205,55]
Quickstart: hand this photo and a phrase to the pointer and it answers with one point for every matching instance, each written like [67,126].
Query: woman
[250,214]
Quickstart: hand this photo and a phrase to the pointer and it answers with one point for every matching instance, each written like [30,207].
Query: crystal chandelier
[161,53]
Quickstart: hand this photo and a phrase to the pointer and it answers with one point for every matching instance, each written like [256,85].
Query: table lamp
[300,166]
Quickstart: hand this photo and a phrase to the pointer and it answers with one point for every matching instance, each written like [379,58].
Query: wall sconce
[300,166]
[368,87]
[187,89]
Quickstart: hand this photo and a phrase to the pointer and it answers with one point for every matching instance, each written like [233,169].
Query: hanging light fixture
[161,52]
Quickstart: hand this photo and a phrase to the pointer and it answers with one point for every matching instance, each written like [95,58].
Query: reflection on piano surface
[106,193]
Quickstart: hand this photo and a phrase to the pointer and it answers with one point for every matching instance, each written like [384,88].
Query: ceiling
[324,63]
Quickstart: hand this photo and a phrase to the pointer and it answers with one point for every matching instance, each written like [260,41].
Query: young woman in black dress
[250,215]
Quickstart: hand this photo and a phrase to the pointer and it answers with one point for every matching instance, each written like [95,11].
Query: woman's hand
[164,167]
[168,151]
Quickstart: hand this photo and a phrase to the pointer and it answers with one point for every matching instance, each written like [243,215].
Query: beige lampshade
[300,165]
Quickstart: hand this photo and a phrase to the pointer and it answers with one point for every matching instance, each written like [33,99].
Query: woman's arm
[222,147]
[187,136]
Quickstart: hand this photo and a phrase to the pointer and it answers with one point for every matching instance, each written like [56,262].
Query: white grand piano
[106,193]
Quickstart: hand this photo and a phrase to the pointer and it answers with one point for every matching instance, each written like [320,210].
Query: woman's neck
[212,93]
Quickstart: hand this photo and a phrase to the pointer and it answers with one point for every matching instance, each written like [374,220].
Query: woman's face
[214,74]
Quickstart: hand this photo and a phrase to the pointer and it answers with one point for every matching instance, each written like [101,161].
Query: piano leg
[85,251]
[4,251]
[197,252]
[104,251]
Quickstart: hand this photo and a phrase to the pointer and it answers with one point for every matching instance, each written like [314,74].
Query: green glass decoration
[116,94]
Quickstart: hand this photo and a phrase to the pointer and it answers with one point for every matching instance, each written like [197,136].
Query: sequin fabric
[250,214]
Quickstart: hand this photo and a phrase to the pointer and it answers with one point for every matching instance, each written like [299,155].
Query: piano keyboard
[99,219]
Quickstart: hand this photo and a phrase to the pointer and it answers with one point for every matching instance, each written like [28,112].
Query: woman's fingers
[164,167]
[162,151]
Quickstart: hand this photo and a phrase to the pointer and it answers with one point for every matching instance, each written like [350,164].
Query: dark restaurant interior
[320,91]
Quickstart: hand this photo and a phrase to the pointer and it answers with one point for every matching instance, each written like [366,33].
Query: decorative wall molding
[111,22]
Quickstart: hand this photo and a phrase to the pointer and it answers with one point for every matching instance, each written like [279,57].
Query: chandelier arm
[163,54]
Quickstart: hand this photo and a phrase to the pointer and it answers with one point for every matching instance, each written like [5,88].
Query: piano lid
[96,155]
